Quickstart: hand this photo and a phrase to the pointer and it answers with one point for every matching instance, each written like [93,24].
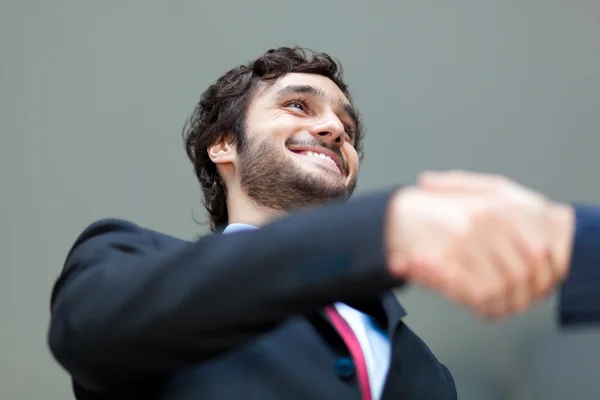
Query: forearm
[130,308]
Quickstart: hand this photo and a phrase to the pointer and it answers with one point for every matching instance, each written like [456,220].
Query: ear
[222,152]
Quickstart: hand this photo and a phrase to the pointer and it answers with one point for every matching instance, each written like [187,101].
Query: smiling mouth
[320,159]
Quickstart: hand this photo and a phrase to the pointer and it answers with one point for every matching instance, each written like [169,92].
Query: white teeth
[323,156]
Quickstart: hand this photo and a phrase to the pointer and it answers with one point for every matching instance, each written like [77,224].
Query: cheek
[290,120]
[275,130]
[270,124]
[352,158]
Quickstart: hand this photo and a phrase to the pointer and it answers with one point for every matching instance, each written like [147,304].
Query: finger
[518,274]
[454,283]
[533,247]
[458,180]
[516,268]
[544,272]
[556,275]
[443,274]
[489,292]
[472,277]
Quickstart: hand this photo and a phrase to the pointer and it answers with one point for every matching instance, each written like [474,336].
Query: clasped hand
[482,241]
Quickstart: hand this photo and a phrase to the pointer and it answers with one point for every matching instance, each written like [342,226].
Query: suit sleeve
[131,303]
[450,381]
[579,301]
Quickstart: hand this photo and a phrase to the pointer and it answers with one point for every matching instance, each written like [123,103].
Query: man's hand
[481,240]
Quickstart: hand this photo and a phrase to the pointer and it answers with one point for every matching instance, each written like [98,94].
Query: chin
[327,175]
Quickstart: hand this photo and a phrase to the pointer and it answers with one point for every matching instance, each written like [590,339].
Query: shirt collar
[238,227]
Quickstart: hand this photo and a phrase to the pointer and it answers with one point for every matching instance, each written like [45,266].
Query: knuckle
[538,253]
[542,285]
[491,216]
[483,295]
[520,306]
[530,274]
[520,276]
[496,291]
[474,297]
[519,302]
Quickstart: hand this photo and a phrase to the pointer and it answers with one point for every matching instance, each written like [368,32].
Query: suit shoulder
[120,232]
[109,226]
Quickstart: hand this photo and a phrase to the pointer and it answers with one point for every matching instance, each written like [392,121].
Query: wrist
[394,221]
[563,223]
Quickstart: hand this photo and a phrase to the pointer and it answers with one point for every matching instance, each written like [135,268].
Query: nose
[330,129]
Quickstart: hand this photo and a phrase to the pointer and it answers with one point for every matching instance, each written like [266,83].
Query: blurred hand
[481,240]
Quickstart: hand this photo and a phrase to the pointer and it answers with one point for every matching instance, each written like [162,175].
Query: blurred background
[93,96]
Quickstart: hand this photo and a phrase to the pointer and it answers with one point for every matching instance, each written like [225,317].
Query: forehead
[331,92]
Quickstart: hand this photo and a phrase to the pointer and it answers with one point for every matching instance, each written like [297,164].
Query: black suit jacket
[139,314]
[579,301]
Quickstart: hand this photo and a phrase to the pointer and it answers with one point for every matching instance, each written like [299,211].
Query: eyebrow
[290,90]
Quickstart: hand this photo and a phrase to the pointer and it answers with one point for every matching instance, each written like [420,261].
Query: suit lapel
[385,309]
[393,310]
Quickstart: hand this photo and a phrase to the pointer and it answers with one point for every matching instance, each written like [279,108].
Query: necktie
[353,345]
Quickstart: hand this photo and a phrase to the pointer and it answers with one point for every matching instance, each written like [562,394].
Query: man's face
[299,148]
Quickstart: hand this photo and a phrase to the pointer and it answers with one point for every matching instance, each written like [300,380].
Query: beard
[275,181]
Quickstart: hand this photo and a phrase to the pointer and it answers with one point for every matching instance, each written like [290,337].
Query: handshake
[482,241]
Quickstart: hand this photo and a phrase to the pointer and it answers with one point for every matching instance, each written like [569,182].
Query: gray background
[93,96]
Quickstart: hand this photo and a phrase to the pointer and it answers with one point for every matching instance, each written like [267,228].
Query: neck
[241,209]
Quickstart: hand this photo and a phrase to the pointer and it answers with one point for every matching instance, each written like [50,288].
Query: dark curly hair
[220,114]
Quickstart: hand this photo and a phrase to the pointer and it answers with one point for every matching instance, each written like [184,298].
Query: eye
[349,131]
[298,104]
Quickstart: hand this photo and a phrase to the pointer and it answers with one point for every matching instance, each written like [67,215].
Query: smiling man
[291,296]
[276,303]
